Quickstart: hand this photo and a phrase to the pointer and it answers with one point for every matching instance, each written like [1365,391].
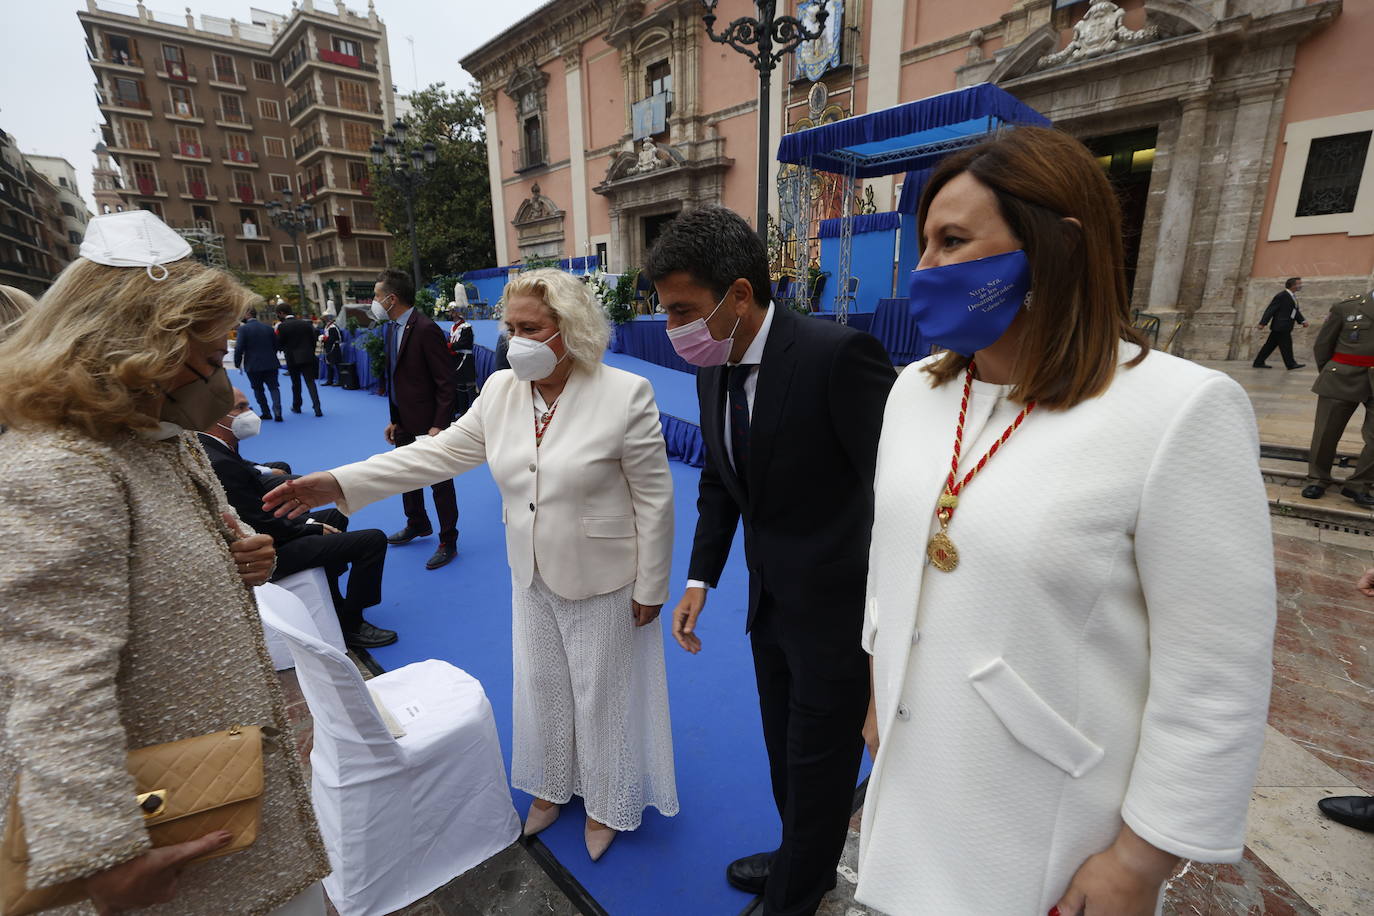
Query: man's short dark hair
[715,247]
[398,284]
[1291,282]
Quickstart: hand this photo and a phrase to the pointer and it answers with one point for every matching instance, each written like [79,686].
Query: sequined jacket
[123,623]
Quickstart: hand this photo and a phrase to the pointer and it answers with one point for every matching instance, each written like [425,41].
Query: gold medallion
[942,553]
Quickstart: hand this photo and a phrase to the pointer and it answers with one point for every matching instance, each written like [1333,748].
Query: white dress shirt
[752,357]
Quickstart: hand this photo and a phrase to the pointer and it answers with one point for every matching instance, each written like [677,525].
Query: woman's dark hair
[715,247]
[1079,311]
[398,283]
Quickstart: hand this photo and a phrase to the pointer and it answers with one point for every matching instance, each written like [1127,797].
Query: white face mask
[245,426]
[532,360]
[379,311]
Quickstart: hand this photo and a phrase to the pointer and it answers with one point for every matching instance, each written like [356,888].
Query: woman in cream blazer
[1080,702]
[577,451]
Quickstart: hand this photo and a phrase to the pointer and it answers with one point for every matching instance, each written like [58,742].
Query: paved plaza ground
[1321,722]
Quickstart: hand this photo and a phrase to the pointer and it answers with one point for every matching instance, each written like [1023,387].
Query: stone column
[885,57]
[576,240]
[498,200]
[1175,224]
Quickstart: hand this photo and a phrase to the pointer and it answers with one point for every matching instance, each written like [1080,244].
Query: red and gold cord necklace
[941,550]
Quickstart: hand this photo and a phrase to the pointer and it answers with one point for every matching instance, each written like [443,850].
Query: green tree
[270,287]
[453,230]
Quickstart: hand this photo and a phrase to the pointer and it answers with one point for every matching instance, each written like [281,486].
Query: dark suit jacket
[333,344]
[808,503]
[255,349]
[296,339]
[421,381]
[244,486]
[1283,311]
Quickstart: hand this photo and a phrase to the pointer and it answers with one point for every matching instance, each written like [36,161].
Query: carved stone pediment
[647,157]
[1102,30]
[626,16]
[535,209]
[526,86]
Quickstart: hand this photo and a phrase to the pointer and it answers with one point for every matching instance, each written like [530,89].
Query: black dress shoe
[442,555]
[1260,366]
[408,534]
[295,410]
[369,637]
[750,873]
[1313,491]
[1351,810]
[279,418]
[266,415]
[1297,366]
[1364,500]
[318,412]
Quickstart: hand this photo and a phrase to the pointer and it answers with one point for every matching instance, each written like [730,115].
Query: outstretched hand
[150,878]
[295,497]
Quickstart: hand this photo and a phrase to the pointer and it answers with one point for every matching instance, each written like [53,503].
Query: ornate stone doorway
[1128,159]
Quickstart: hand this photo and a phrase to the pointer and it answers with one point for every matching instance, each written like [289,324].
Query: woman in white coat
[1071,590]
[577,451]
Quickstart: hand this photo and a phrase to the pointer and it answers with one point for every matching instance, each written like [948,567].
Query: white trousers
[591,705]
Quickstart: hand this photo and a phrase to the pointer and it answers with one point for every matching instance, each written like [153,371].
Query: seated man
[318,541]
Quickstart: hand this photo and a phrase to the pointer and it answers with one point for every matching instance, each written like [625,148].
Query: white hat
[134,238]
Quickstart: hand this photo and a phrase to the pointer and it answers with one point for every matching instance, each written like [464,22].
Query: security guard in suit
[1345,379]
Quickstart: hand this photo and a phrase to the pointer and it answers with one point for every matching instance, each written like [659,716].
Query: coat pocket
[1032,721]
[613,526]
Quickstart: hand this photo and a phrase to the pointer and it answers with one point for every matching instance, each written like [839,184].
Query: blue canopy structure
[906,138]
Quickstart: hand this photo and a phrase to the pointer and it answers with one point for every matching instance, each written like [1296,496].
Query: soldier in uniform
[1345,361]
[464,365]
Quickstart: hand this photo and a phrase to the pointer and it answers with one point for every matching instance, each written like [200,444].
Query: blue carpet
[461,614]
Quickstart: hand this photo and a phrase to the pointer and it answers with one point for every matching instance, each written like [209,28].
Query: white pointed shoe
[598,840]
[540,818]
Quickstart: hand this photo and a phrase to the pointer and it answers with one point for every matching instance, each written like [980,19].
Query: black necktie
[739,419]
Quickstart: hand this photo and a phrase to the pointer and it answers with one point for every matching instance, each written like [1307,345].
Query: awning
[907,137]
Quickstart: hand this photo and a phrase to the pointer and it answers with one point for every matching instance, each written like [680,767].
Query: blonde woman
[127,619]
[577,451]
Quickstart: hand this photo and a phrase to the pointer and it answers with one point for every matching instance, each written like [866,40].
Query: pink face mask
[694,343]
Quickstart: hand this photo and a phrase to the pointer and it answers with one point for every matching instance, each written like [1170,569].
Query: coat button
[915,637]
[903,713]
[533,467]
[531,507]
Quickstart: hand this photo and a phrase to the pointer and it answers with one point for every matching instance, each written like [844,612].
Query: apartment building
[74,215]
[33,248]
[209,119]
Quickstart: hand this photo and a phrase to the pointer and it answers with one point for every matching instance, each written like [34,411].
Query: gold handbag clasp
[153,803]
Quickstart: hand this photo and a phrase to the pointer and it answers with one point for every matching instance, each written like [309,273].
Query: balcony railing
[175,70]
[324,260]
[251,231]
[292,62]
[17,233]
[16,267]
[265,266]
[225,116]
[205,225]
[312,186]
[244,193]
[228,78]
[299,104]
[195,151]
[146,186]
[121,58]
[305,146]
[351,103]
[13,169]
[529,158]
[238,156]
[368,224]
[197,190]
[14,201]
[112,100]
[142,144]
[338,58]
[186,110]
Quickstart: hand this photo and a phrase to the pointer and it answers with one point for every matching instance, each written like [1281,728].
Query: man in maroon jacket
[419,385]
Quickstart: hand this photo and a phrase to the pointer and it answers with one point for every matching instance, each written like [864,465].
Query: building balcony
[144,187]
[188,112]
[197,225]
[18,234]
[123,146]
[236,119]
[339,59]
[291,63]
[17,267]
[529,158]
[14,201]
[323,261]
[175,70]
[114,104]
[350,107]
[262,266]
[188,152]
[226,80]
[14,170]
[252,232]
[300,105]
[197,190]
[369,224]
[237,156]
[244,194]
[305,147]
[118,61]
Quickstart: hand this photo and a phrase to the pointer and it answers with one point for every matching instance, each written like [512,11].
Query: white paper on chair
[387,718]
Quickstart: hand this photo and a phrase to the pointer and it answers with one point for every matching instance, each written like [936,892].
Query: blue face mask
[965,307]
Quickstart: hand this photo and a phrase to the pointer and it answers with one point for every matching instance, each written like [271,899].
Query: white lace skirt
[591,705]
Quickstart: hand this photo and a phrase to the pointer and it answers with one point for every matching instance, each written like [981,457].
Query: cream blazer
[1101,654]
[591,508]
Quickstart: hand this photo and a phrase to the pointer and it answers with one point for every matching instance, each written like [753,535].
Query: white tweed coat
[1102,653]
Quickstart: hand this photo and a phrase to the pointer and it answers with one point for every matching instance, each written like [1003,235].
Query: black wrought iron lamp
[405,170]
[294,221]
[772,37]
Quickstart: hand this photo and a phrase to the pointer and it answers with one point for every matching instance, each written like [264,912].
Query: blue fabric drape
[863,223]
[487,272]
[859,321]
[683,440]
[585,265]
[912,186]
[895,329]
[646,338]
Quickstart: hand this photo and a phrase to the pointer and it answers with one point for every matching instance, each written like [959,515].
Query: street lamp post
[293,221]
[773,36]
[404,170]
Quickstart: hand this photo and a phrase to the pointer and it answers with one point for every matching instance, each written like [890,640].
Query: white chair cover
[400,816]
[312,587]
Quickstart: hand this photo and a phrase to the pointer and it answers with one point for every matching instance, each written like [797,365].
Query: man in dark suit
[791,426]
[333,351]
[419,385]
[255,352]
[1281,315]
[305,543]
[296,340]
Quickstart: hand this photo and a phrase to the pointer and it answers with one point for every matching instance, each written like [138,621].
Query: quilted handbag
[186,789]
